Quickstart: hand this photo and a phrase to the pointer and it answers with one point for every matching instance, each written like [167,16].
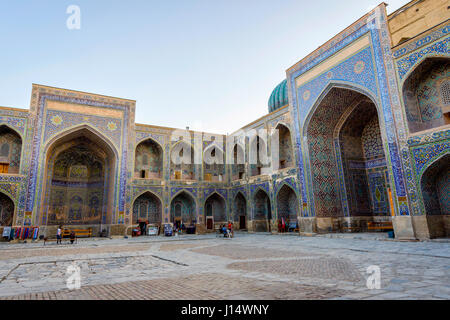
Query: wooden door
[242,222]
[209,223]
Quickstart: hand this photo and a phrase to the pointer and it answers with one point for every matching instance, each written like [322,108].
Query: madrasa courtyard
[339,191]
[246,267]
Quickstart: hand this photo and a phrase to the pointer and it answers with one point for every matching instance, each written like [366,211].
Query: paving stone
[251,266]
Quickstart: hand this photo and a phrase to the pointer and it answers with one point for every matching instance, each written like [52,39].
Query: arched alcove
[182,165]
[10,150]
[262,212]
[6,211]
[148,160]
[183,209]
[435,185]
[240,211]
[287,205]
[147,208]
[426,95]
[215,210]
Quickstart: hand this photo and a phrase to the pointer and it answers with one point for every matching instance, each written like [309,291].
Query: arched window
[4,150]
[445,92]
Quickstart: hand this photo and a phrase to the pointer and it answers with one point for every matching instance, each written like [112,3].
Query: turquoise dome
[279,97]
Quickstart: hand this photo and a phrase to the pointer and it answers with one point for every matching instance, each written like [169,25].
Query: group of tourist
[59,235]
[227,231]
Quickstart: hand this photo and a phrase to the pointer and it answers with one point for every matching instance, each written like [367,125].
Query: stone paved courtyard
[250,266]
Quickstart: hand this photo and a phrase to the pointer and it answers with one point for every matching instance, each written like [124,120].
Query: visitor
[59,235]
[224,230]
[72,237]
[230,228]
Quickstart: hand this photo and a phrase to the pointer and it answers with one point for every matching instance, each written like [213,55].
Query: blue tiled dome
[279,97]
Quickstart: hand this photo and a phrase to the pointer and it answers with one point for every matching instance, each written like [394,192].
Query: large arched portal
[215,210]
[240,211]
[147,208]
[287,207]
[79,180]
[6,211]
[183,210]
[347,161]
[435,185]
[262,212]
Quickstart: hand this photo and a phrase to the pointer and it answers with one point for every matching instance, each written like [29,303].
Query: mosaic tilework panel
[208,191]
[57,121]
[404,65]
[176,190]
[389,94]
[427,138]
[424,155]
[356,70]
[18,124]
[141,136]
[371,140]
[378,189]
[264,186]
[243,190]
[437,34]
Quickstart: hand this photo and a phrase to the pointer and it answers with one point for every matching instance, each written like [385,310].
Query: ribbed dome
[279,97]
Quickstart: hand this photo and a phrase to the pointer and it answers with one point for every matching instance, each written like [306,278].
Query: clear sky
[207,64]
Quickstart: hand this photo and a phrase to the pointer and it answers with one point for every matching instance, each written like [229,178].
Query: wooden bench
[351,229]
[380,225]
[79,233]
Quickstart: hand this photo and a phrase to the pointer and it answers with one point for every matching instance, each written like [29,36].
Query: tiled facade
[348,151]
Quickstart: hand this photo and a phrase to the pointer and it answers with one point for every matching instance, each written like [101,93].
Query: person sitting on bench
[224,230]
[72,237]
